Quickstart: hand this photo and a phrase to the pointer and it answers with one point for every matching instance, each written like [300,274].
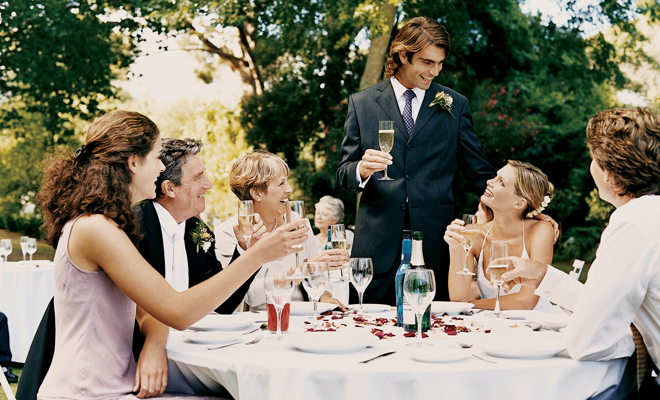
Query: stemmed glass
[496,267]
[295,211]
[338,241]
[5,248]
[419,290]
[316,281]
[361,271]
[469,235]
[246,219]
[24,245]
[385,141]
[278,285]
[31,247]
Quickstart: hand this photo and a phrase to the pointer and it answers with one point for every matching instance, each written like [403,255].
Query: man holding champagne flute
[430,139]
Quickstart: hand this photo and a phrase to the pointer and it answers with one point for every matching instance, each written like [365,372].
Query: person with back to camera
[623,285]
[102,284]
[518,193]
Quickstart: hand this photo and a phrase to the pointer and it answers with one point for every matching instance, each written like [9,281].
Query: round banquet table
[25,290]
[275,370]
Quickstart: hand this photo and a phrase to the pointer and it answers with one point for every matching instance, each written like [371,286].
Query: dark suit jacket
[201,265]
[423,168]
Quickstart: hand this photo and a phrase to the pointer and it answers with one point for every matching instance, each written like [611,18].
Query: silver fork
[253,341]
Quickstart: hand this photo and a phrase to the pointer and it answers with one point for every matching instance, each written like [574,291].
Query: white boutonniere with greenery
[201,236]
[444,101]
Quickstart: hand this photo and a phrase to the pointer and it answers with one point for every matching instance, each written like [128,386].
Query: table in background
[25,291]
[275,370]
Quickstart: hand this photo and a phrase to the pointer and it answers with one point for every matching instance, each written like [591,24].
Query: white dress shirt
[416,104]
[176,272]
[623,287]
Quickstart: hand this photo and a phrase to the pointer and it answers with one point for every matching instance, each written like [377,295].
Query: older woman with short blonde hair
[263,177]
[329,211]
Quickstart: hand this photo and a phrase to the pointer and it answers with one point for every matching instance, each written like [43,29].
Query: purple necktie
[407,111]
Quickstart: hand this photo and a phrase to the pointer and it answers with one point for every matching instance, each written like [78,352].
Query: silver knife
[379,356]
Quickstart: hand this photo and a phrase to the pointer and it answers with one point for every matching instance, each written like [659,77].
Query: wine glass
[469,235]
[338,241]
[496,267]
[316,281]
[24,245]
[361,271]
[31,247]
[385,141]
[419,290]
[246,219]
[5,248]
[295,211]
[278,284]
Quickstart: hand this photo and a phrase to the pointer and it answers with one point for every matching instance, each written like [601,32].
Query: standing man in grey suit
[432,140]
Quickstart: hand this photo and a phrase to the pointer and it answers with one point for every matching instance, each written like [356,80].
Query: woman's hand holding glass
[258,231]
[281,242]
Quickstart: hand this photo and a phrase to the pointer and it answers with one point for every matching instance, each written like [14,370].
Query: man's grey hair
[174,155]
[335,206]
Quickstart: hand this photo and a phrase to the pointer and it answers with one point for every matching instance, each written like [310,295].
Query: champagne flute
[316,281]
[469,235]
[32,247]
[278,285]
[361,271]
[496,267]
[338,241]
[5,248]
[385,141]
[295,211]
[246,219]
[419,290]
[24,245]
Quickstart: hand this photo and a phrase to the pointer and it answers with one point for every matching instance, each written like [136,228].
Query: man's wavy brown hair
[96,179]
[626,143]
[415,35]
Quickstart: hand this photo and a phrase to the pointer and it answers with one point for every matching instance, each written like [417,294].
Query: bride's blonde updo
[533,186]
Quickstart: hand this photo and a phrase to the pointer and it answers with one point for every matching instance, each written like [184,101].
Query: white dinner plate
[212,337]
[224,322]
[330,342]
[450,307]
[551,320]
[535,345]
[371,308]
[438,353]
[307,307]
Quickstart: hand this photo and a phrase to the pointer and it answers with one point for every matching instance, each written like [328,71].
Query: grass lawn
[18,370]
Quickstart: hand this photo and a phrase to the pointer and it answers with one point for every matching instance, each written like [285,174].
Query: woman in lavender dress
[102,283]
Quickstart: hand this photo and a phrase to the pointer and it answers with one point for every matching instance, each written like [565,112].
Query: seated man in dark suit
[178,244]
[5,351]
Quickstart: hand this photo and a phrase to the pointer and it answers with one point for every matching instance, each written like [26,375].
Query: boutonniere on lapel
[444,101]
[201,236]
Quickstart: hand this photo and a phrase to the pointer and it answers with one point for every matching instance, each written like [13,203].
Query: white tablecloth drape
[275,370]
[25,291]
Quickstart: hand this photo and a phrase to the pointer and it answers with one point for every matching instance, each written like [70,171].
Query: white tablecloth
[275,370]
[25,291]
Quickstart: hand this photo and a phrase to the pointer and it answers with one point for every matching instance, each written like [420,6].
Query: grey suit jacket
[424,167]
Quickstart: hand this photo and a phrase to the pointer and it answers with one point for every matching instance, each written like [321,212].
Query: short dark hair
[626,143]
[415,35]
[174,155]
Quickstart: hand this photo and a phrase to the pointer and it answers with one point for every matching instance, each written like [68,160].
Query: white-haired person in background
[329,211]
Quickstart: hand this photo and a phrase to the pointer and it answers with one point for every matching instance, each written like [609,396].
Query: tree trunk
[373,70]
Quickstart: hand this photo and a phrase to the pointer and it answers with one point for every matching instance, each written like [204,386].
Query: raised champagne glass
[419,290]
[499,249]
[295,211]
[385,141]
[246,220]
[469,235]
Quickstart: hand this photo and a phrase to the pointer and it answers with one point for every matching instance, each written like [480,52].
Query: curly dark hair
[415,35]
[626,143]
[96,179]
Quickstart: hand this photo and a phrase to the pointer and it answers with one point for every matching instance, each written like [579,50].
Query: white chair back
[577,269]
[5,387]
